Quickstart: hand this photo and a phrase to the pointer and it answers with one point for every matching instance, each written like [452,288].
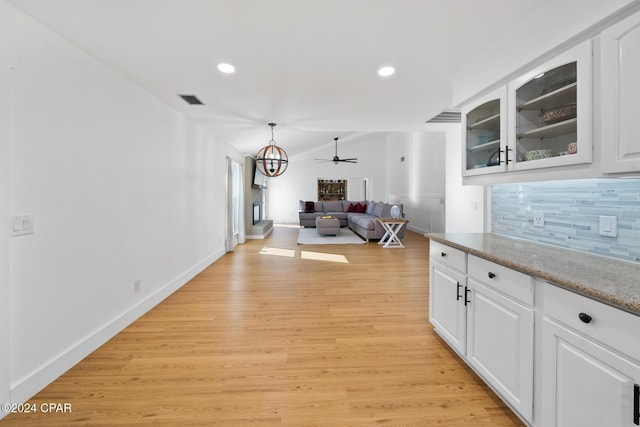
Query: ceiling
[308,65]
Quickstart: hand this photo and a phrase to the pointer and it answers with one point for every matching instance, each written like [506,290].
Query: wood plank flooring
[265,340]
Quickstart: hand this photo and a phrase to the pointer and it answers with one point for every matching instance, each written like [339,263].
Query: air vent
[191,99]
[447,116]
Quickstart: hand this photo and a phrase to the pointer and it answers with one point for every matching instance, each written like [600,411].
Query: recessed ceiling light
[386,71]
[226,68]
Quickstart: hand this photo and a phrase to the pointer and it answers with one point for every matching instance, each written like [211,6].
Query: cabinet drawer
[447,255]
[609,325]
[510,282]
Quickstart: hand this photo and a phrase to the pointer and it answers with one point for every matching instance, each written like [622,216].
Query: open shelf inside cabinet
[483,135]
[486,146]
[563,96]
[488,123]
[546,115]
[552,130]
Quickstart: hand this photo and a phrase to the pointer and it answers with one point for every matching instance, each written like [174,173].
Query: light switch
[21,225]
[608,226]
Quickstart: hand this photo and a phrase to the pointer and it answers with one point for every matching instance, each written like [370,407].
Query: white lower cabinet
[446,308]
[500,345]
[490,329]
[590,363]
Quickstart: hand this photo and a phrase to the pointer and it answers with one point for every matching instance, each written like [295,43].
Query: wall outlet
[137,285]
[538,219]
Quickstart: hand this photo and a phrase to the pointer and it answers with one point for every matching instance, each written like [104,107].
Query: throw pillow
[370,207]
[379,210]
[351,208]
[309,207]
[361,208]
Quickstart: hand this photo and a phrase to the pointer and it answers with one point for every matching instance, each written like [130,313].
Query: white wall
[465,203]
[5,177]
[122,189]
[545,32]
[299,182]
[419,180]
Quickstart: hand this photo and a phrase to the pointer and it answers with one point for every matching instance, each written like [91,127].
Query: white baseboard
[417,230]
[28,386]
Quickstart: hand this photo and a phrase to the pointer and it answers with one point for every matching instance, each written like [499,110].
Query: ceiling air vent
[447,116]
[191,99]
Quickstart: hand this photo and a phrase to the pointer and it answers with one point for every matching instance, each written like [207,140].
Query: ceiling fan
[337,159]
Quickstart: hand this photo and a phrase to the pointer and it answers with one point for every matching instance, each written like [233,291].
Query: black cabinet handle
[491,275]
[443,254]
[636,404]
[458,296]
[585,317]
[466,292]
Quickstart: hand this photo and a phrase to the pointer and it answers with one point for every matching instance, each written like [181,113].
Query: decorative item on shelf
[538,154]
[572,148]
[558,114]
[394,200]
[272,160]
[494,158]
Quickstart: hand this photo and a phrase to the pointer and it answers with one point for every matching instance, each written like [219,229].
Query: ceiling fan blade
[350,159]
[323,160]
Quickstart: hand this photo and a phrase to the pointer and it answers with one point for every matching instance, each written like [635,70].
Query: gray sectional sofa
[362,223]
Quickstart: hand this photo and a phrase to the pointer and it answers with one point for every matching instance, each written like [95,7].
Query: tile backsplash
[572,210]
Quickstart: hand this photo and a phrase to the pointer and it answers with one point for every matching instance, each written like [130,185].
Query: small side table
[391,227]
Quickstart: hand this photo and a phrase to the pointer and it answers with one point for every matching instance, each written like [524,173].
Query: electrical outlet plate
[538,219]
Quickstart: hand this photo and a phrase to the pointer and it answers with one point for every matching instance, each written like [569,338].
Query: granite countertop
[611,281]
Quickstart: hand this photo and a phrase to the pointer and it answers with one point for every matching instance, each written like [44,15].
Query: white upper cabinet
[550,117]
[485,134]
[620,96]
[539,120]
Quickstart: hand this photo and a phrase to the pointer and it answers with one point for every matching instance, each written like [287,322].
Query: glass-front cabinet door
[484,134]
[550,112]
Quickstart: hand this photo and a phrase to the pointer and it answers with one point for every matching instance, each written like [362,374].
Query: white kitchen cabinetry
[591,362]
[539,120]
[500,320]
[447,282]
[620,94]
[550,117]
[487,317]
[484,125]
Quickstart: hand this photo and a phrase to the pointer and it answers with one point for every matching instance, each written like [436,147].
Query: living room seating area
[359,216]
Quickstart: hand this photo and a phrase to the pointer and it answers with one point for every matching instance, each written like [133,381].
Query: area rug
[310,236]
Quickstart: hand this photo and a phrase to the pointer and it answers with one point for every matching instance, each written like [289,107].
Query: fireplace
[256,213]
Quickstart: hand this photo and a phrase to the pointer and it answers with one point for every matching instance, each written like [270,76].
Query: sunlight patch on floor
[319,256]
[315,256]
[290,253]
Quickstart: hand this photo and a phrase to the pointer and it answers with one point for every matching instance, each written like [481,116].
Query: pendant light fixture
[272,160]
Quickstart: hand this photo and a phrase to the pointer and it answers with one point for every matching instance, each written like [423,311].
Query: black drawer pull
[443,254]
[491,275]
[458,296]
[636,404]
[585,317]
[466,292]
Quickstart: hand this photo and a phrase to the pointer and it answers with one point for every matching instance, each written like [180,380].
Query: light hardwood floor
[265,340]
